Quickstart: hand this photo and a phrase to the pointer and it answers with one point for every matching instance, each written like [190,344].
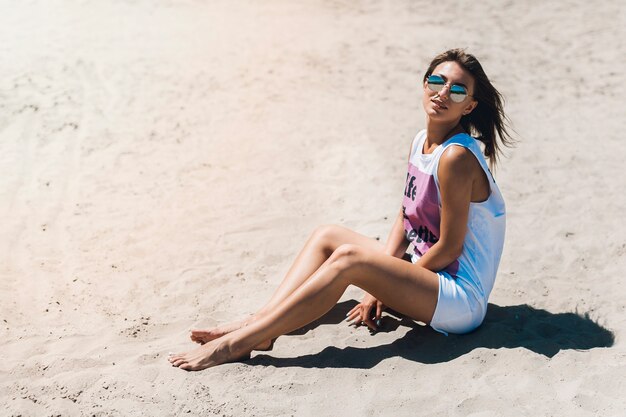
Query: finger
[354,315]
[357,320]
[363,318]
[370,324]
[356,309]
[379,310]
[356,312]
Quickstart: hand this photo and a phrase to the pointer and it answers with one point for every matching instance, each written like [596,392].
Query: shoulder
[458,160]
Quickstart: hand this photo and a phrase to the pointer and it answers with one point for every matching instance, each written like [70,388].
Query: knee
[346,256]
[328,237]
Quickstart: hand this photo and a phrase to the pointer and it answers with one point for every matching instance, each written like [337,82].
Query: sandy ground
[161,164]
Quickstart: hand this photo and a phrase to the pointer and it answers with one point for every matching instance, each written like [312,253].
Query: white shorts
[458,309]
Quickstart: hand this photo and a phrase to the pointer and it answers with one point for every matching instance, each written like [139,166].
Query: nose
[445,91]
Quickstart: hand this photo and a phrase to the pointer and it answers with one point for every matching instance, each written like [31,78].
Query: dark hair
[488,116]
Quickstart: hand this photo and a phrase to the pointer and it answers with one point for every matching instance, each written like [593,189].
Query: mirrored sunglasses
[457,93]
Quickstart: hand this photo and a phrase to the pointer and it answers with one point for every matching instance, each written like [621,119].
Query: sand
[163,162]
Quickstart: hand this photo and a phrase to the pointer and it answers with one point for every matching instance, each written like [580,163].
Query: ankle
[259,314]
[233,348]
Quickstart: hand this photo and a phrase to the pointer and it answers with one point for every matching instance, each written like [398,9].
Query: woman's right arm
[396,246]
[396,242]
[370,306]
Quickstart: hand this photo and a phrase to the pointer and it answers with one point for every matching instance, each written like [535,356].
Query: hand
[362,312]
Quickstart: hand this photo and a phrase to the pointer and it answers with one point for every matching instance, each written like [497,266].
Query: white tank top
[484,240]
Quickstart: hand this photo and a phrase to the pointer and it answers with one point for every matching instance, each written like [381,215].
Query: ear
[470,107]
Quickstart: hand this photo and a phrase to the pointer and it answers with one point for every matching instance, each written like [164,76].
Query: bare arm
[458,170]
[396,242]
[396,246]
[369,310]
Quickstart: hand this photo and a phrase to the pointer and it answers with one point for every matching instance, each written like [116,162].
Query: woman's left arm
[457,173]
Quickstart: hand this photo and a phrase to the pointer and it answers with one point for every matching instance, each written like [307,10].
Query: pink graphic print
[421,213]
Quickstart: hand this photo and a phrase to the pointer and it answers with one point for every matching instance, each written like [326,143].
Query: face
[438,104]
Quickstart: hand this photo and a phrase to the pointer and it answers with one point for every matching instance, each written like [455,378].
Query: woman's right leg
[318,248]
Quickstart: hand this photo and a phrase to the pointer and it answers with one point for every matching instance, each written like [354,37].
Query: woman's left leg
[317,249]
[405,287]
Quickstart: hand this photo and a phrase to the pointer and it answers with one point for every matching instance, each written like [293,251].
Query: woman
[453,214]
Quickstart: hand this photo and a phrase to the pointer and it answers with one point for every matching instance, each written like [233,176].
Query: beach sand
[163,162]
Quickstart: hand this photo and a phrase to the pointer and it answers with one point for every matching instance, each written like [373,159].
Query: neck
[437,133]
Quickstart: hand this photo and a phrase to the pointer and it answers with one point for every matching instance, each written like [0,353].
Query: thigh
[405,287]
[320,246]
[334,236]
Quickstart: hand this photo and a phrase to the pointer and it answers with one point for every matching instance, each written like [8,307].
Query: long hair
[488,117]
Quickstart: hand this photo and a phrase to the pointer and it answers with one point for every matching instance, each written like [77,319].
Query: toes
[200,336]
[179,362]
[198,339]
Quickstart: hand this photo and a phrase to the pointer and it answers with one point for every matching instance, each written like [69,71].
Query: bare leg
[320,245]
[407,288]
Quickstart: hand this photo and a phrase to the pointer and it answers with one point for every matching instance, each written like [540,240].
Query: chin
[435,113]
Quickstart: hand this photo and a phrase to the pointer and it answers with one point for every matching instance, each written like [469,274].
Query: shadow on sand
[523,326]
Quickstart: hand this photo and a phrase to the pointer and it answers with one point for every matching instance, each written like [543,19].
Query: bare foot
[210,354]
[205,336]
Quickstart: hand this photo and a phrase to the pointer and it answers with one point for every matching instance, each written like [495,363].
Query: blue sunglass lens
[457,89]
[435,82]
[457,92]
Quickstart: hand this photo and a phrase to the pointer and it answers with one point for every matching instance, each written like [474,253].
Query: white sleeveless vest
[484,240]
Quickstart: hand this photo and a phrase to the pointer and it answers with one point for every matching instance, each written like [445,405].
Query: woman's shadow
[510,327]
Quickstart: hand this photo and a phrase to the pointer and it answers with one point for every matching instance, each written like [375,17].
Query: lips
[439,104]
